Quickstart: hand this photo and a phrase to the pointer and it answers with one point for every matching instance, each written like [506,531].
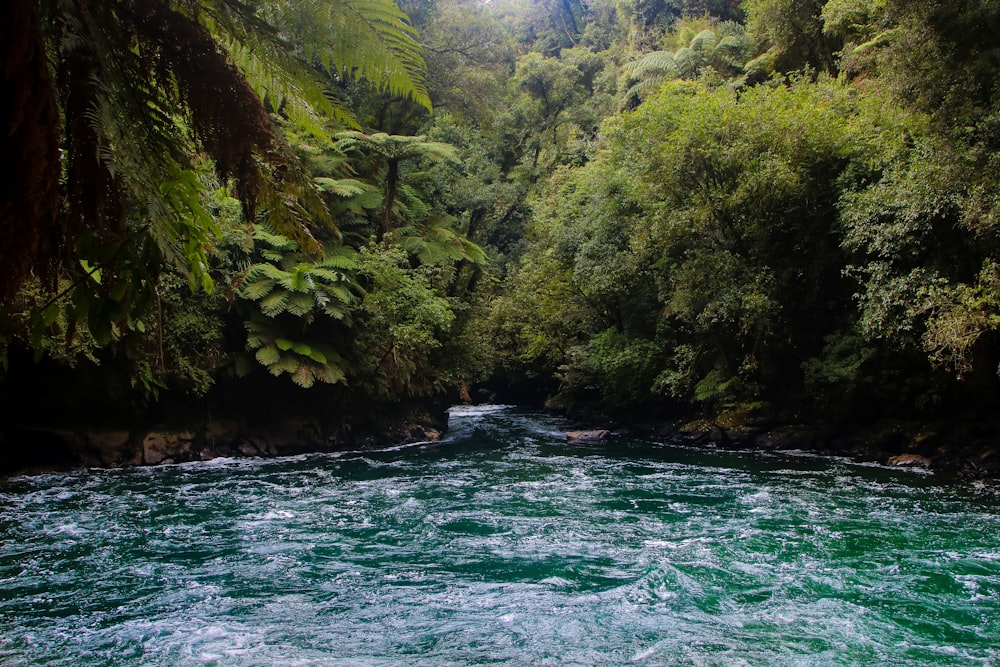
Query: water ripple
[502,545]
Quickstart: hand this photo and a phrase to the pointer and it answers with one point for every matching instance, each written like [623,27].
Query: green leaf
[304,377]
[268,355]
[257,289]
[330,373]
[118,291]
[286,364]
[342,187]
[299,304]
[92,272]
[274,304]
[50,314]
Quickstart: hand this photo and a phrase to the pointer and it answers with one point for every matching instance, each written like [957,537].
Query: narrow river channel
[500,545]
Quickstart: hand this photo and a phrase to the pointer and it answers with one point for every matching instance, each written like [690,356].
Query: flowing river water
[500,545]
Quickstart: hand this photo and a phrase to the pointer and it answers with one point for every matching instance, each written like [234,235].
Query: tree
[138,88]
[723,49]
[291,292]
[700,242]
[790,35]
[392,150]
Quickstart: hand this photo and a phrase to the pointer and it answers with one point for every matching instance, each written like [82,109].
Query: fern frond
[381,47]
[473,252]
[297,279]
[304,376]
[274,304]
[256,290]
[338,255]
[299,303]
[338,312]
[330,373]
[316,355]
[275,75]
[656,62]
[646,87]
[313,278]
[337,265]
[397,147]
[272,255]
[688,61]
[704,43]
[264,271]
[276,241]
[288,363]
[370,40]
[342,187]
[729,43]
[268,355]
[341,294]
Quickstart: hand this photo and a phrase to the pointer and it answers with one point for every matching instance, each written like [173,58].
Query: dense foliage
[651,207]
[805,226]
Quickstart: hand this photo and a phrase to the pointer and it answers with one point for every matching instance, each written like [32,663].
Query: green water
[501,545]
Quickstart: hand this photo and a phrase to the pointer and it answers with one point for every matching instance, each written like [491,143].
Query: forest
[350,214]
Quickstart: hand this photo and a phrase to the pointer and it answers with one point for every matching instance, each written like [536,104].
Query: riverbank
[955,450]
[951,449]
[44,448]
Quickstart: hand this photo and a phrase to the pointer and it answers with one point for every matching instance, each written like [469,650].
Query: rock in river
[587,436]
[910,461]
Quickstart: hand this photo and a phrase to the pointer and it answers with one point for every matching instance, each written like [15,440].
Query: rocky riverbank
[57,448]
[959,450]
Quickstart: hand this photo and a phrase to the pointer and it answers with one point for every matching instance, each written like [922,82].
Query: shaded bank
[951,449]
[55,426]
[63,448]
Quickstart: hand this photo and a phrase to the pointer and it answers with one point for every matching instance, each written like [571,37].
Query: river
[500,545]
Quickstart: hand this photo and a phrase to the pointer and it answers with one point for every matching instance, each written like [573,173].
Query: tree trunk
[391,185]
[29,127]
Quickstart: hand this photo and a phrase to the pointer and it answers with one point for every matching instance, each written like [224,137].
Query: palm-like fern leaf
[654,62]
[438,243]
[287,284]
[146,86]
[342,187]
[365,39]
[397,147]
[306,362]
[721,48]
[255,290]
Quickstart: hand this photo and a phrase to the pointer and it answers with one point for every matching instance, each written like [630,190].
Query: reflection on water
[500,545]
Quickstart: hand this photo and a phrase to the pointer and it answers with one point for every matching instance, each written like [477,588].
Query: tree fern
[363,39]
[303,289]
[305,362]
[393,149]
[436,243]
[342,187]
[721,49]
[291,295]
[148,86]
[397,147]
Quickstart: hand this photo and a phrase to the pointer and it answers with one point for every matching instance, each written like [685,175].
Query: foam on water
[502,545]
